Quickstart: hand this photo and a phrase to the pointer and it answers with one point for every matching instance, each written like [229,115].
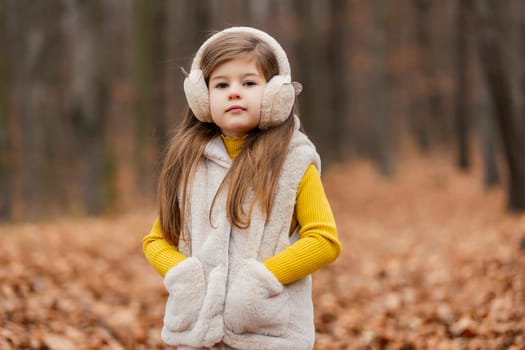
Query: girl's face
[236,90]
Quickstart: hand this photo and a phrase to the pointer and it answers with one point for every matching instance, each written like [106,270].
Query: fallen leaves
[84,283]
[430,261]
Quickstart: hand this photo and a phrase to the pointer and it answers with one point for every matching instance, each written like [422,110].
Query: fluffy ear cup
[197,95]
[279,94]
[277,102]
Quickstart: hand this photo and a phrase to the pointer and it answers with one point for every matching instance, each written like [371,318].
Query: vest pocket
[256,302]
[186,285]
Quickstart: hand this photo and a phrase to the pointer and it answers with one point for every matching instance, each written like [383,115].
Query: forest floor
[431,260]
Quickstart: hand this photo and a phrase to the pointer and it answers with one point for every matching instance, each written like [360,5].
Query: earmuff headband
[282,59]
[279,94]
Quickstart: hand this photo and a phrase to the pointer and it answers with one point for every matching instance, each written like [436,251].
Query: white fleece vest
[223,294]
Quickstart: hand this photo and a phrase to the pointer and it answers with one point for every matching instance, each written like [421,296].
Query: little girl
[243,217]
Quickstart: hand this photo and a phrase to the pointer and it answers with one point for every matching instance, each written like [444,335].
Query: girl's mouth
[235,109]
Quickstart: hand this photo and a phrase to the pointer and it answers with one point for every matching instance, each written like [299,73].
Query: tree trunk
[462,88]
[189,18]
[336,67]
[29,45]
[117,55]
[149,84]
[87,106]
[5,168]
[311,73]
[511,125]
[420,120]
[489,147]
[159,48]
[385,131]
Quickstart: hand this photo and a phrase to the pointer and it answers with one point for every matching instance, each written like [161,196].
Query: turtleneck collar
[233,145]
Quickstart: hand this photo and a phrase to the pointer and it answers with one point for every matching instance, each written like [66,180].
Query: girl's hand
[195,305]
[256,302]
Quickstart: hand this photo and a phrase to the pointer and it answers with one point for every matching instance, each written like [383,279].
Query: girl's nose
[234,95]
[234,92]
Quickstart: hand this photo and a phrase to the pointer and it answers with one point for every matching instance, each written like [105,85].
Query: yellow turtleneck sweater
[318,244]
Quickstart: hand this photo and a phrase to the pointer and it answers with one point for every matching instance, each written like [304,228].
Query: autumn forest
[416,107]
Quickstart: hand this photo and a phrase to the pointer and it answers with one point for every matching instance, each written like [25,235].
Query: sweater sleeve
[318,244]
[159,252]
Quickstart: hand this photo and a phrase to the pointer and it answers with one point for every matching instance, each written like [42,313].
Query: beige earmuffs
[279,93]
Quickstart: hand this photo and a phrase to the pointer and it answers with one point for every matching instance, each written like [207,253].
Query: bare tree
[310,72]
[385,131]
[511,123]
[149,75]
[421,113]
[462,111]
[35,71]
[336,65]
[5,173]
[87,104]
[120,124]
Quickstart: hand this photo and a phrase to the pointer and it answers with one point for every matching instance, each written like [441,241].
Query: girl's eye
[221,85]
[250,83]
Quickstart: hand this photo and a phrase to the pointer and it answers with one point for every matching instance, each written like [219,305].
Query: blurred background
[91,89]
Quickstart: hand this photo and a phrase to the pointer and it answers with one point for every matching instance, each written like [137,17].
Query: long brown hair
[257,167]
